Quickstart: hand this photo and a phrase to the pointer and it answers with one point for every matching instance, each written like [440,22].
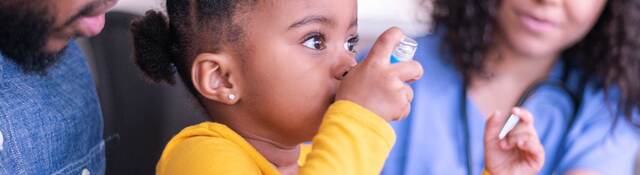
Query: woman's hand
[520,152]
[380,86]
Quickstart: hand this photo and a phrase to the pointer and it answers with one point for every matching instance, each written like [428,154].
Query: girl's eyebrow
[318,19]
[311,20]
[354,23]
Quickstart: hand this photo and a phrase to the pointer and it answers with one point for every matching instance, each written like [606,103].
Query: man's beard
[24,35]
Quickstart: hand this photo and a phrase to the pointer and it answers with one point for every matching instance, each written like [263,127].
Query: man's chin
[55,46]
[36,62]
[28,41]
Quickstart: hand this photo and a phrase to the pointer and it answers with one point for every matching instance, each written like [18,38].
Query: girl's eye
[351,44]
[315,42]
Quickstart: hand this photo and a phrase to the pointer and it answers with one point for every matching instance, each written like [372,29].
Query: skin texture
[531,35]
[296,60]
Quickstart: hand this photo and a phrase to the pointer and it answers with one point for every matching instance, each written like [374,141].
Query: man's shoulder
[65,84]
[72,61]
[50,118]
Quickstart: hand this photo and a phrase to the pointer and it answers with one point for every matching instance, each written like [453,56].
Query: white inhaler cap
[404,51]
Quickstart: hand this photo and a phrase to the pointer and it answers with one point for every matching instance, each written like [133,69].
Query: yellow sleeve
[351,140]
[188,158]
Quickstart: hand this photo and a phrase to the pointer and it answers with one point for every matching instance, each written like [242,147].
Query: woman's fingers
[524,131]
[535,149]
[493,126]
[518,139]
[520,148]
[518,116]
[525,116]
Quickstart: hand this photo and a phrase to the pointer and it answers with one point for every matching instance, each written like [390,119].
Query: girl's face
[297,53]
[545,27]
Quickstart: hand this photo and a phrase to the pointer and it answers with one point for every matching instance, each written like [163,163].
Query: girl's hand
[380,86]
[520,152]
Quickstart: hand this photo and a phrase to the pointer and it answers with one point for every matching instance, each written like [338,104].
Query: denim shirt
[50,124]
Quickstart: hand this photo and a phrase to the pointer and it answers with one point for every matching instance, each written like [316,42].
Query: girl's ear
[211,74]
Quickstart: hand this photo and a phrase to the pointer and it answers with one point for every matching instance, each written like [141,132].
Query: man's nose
[92,25]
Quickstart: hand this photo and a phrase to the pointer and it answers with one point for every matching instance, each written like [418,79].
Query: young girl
[272,75]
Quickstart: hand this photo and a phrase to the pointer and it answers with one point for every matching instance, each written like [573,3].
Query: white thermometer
[511,123]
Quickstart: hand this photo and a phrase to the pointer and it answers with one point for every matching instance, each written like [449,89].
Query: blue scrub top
[431,140]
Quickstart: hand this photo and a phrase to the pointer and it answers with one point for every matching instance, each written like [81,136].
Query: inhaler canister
[404,51]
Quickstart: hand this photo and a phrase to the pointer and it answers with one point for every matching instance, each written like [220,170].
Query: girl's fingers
[408,71]
[406,99]
[405,112]
[383,47]
[408,92]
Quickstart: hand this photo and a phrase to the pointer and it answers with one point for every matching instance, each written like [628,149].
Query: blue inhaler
[404,51]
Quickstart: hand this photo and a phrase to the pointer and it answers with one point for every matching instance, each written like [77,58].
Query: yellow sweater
[351,140]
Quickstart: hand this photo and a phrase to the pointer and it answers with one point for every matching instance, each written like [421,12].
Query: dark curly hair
[164,45]
[609,54]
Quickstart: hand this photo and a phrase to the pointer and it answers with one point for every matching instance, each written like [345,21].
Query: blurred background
[140,117]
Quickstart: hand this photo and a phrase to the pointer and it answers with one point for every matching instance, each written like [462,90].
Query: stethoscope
[560,84]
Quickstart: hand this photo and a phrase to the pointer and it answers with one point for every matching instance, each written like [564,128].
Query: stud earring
[232,97]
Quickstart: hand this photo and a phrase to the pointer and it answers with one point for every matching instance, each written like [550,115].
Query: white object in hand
[404,51]
[511,123]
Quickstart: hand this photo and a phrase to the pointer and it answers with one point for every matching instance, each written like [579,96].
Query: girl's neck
[282,155]
[285,158]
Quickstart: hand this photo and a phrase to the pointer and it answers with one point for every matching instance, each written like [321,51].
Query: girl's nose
[346,63]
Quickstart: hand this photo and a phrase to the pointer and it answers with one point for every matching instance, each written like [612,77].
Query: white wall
[377,15]
[138,6]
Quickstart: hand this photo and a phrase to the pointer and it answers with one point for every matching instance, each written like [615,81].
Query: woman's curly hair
[609,54]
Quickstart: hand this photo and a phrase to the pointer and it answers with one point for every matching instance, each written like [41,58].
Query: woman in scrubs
[485,55]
